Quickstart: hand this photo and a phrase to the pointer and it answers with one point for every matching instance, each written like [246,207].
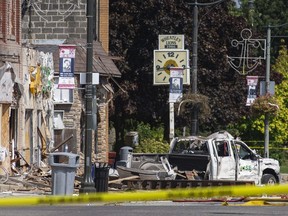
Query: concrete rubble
[37,181]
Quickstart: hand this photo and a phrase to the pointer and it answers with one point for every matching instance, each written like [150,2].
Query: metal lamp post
[87,185]
[194,126]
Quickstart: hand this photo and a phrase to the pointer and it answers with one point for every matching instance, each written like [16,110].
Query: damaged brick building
[37,115]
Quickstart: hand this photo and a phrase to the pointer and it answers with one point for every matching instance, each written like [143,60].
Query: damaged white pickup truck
[216,157]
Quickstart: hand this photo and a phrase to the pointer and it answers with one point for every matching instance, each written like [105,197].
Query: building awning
[102,62]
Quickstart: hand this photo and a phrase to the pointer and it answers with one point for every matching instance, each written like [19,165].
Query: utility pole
[194,125]
[267,86]
[87,185]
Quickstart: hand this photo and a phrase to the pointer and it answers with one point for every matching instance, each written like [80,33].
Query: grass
[284,168]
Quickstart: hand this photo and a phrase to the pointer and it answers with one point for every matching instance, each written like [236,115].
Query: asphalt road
[166,208]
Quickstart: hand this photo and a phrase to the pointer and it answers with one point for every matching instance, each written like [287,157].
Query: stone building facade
[48,24]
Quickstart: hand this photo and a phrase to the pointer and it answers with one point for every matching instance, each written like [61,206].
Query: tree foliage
[260,15]
[151,140]
[252,128]
[278,124]
[264,13]
[134,30]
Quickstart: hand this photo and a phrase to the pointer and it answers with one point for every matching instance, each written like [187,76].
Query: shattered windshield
[190,146]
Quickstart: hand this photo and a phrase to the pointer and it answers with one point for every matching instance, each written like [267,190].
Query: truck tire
[268,179]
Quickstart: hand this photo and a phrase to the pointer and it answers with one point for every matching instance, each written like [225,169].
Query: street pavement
[144,209]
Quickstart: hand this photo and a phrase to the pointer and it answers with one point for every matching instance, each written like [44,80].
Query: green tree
[270,12]
[262,13]
[252,127]
[278,124]
[134,30]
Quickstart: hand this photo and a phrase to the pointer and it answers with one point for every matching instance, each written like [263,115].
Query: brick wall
[104,24]
[102,148]
[49,21]
[54,23]
[10,21]
[10,33]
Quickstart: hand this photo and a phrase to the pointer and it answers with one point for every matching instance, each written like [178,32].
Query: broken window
[222,148]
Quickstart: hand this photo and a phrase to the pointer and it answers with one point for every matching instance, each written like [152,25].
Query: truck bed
[189,162]
[183,162]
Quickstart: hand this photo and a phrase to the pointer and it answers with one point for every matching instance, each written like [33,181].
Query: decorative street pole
[87,185]
[194,126]
[246,62]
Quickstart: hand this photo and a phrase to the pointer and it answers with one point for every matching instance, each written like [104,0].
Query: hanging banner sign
[176,84]
[66,66]
[252,91]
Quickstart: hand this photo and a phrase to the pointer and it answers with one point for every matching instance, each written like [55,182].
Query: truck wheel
[268,179]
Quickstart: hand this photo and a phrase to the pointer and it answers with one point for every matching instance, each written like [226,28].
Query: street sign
[171,42]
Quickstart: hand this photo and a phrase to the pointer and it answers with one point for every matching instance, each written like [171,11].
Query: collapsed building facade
[35,115]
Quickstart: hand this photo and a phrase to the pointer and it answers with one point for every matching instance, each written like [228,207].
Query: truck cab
[232,159]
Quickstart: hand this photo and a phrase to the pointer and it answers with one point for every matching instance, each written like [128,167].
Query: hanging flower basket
[266,104]
[191,101]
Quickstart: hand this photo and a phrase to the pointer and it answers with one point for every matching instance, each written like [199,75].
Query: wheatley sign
[171,42]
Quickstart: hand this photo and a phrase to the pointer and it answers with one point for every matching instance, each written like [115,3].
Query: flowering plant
[266,104]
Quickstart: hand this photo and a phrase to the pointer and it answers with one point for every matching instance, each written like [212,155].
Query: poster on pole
[252,92]
[66,66]
[176,84]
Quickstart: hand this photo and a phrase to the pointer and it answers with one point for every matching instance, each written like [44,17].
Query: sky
[237,3]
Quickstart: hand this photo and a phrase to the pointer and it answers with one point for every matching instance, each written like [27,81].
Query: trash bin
[63,165]
[125,156]
[124,152]
[101,176]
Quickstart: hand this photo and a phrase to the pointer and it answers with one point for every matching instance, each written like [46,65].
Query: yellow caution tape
[258,203]
[199,192]
[249,203]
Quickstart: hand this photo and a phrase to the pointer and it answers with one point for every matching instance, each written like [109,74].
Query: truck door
[248,163]
[223,160]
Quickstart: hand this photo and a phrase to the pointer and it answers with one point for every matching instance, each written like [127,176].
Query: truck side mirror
[254,156]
